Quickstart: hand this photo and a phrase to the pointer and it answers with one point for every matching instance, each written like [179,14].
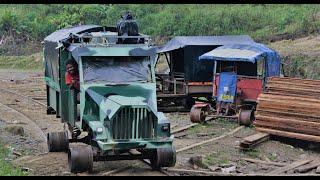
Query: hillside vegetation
[262,22]
[23,27]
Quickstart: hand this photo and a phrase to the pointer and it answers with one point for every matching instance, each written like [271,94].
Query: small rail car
[239,75]
[188,79]
[117,109]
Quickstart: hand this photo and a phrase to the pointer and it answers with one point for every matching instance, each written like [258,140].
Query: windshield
[116,69]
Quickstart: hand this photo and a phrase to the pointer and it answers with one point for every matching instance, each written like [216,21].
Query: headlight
[165,127]
[99,130]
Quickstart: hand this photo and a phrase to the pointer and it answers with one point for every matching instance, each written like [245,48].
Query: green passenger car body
[118,104]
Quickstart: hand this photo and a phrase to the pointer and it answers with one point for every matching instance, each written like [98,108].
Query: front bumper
[135,143]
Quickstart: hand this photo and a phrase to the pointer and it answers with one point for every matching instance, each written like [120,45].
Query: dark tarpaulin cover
[51,52]
[247,53]
[64,33]
[182,41]
[112,70]
[77,52]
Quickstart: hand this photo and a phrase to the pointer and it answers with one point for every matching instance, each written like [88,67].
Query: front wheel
[163,157]
[80,159]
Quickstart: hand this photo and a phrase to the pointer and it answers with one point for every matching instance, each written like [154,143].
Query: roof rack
[106,39]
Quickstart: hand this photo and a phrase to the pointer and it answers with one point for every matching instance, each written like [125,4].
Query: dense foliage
[259,21]
[23,27]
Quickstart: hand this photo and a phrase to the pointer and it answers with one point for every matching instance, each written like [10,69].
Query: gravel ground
[224,152]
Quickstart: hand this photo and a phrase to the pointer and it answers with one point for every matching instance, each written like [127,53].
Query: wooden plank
[296,95]
[290,167]
[289,134]
[281,127]
[287,97]
[254,140]
[292,79]
[290,103]
[255,137]
[285,108]
[291,125]
[264,162]
[281,114]
[295,89]
[313,165]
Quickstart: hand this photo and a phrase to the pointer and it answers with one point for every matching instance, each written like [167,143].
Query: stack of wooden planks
[254,140]
[290,107]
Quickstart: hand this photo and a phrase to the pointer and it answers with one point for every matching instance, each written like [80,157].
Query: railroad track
[23,96]
[27,120]
[175,130]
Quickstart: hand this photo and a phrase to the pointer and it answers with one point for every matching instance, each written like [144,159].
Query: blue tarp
[247,53]
[227,87]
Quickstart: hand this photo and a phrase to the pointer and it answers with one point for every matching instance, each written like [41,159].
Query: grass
[217,158]
[6,168]
[198,128]
[32,62]
[254,154]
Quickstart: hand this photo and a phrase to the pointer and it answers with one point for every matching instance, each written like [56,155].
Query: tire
[246,117]
[80,159]
[163,157]
[58,141]
[197,115]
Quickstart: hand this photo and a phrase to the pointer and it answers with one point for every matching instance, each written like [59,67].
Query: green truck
[117,109]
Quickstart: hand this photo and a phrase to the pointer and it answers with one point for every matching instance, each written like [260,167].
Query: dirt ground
[32,149]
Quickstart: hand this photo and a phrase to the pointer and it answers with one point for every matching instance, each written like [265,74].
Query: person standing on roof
[72,76]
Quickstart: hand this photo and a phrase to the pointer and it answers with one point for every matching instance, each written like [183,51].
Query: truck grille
[133,123]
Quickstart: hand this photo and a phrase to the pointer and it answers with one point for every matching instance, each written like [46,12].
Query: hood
[112,98]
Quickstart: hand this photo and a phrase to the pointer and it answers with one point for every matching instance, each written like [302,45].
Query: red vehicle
[239,76]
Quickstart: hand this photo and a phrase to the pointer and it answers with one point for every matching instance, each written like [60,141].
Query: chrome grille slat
[133,123]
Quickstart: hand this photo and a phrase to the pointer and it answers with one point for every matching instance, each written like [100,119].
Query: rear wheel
[80,159]
[246,117]
[163,157]
[58,141]
[197,115]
